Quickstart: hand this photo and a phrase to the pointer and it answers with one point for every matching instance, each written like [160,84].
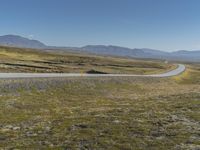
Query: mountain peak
[19,41]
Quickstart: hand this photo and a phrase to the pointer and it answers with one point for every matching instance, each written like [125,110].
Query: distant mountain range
[181,55]
[18,41]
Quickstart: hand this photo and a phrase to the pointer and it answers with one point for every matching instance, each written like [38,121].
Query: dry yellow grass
[27,60]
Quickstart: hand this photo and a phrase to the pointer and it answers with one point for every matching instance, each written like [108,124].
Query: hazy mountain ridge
[18,41]
[143,53]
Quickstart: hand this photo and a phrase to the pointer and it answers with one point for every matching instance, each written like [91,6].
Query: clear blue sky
[160,24]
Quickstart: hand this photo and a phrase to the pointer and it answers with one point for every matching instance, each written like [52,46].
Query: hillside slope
[18,41]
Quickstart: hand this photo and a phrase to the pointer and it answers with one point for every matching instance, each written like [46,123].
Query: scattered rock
[116,121]
[30,134]
[16,128]
[8,127]
[47,128]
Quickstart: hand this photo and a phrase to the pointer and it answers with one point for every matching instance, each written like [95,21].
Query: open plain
[97,113]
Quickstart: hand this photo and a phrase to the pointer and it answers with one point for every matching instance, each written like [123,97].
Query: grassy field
[101,113]
[27,60]
[97,113]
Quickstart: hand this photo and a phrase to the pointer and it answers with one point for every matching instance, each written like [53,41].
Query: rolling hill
[18,41]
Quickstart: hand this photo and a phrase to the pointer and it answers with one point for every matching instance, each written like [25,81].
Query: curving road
[181,68]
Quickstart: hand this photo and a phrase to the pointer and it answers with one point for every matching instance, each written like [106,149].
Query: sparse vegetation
[105,113]
[27,60]
[97,113]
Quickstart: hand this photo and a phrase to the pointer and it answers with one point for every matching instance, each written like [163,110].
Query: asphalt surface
[181,68]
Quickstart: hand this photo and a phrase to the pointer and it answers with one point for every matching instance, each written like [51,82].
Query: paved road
[181,68]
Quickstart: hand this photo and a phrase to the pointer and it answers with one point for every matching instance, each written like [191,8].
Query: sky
[158,24]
